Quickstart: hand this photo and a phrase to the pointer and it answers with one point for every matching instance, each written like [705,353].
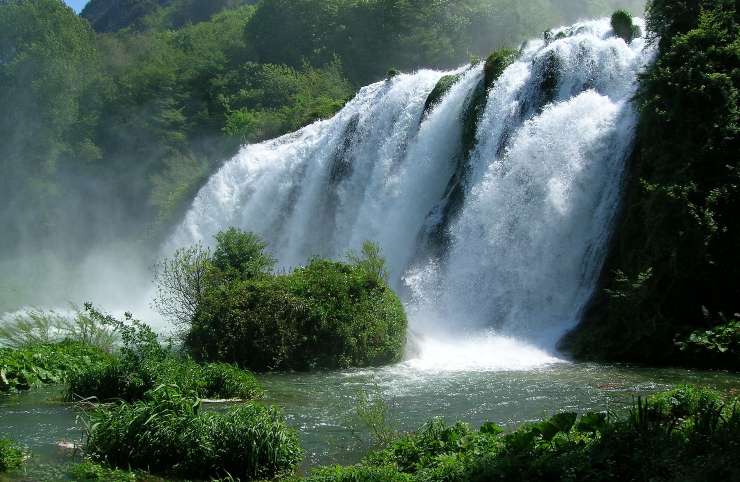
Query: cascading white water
[541,188]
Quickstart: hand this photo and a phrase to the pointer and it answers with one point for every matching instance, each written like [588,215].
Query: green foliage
[30,365]
[168,433]
[623,26]
[443,86]
[372,36]
[181,281]
[718,346]
[360,473]
[325,315]
[118,130]
[674,265]
[183,278]
[112,15]
[142,365]
[266,100]
[241,256]
[11,456]
[496,63]
[87,471]
[48,64]
[685,434]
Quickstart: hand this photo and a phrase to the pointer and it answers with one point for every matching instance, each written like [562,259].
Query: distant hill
[114,15]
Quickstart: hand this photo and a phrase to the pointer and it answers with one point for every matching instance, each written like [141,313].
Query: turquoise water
[322,406]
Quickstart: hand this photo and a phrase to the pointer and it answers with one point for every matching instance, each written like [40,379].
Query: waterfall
[520,253]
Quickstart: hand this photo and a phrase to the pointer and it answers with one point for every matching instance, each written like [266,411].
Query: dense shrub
[26,366]
[326,315]
[623,26]
[142,364]
[674,264]
[168,433]
[11,456]
[684,434]
[118,380]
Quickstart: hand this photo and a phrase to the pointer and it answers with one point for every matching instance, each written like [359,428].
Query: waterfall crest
[541,187]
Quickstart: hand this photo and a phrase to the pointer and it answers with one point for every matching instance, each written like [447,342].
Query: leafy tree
[241,256]
[47,74]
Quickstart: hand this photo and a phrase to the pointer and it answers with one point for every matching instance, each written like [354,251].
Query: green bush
[241,255]
[325,315]
[685,434]
[88,471]
[716,347]
[27,366]
[143,364]
[623,26]
[11,456]
[117,380]
[168,433]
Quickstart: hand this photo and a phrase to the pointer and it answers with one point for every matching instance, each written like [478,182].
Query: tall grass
[168,433]
[35,326]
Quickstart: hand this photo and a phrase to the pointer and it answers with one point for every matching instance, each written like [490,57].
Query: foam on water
[483,352]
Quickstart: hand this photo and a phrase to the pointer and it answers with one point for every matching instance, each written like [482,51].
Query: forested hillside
[114,15]
[113,119]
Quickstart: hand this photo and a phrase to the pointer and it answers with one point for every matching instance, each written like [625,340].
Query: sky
[76,4]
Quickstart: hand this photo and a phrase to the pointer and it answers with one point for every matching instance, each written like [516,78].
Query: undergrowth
[32,365]
[11,456]
[684,434]
[142,364]
[168,433]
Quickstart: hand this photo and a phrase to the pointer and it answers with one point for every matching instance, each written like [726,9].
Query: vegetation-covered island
[369,240]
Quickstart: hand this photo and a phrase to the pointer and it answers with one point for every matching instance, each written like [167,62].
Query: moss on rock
[495,65]
[443,86]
